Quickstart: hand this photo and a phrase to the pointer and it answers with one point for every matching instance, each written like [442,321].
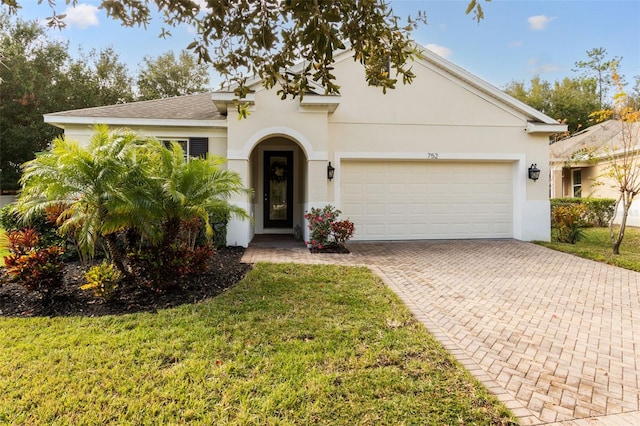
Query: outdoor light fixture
[330,171]
[534,172]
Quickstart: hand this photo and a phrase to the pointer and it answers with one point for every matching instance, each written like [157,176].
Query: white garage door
[390,200]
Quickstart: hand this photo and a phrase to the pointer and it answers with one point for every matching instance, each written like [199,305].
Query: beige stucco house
[579,164]
[445,157]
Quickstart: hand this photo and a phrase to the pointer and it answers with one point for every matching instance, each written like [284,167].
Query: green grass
[597,246]
[290,344]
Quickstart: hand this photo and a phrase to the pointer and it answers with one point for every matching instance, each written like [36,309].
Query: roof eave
[536,127]
[330,102]
[222,100]
[62,121]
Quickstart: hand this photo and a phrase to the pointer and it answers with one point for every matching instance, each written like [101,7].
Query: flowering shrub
[326,230]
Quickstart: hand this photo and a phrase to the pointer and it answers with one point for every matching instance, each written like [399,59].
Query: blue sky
[517,40]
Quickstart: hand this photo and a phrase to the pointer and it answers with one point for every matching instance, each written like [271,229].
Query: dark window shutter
[198,147]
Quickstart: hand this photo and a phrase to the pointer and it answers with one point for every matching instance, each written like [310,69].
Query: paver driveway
[555,337]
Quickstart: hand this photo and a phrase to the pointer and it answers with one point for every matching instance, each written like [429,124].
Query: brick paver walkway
[553,336]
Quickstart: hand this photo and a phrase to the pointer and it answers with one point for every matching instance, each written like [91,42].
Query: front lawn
[597,246]
[290,344]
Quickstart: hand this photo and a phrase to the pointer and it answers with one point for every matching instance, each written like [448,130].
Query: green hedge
[598,211]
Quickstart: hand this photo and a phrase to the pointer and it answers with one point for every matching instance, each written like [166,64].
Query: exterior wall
[436,119]
[217,136]
[6,199]
[594,183]
[275,123]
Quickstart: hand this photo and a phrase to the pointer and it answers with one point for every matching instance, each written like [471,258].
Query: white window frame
[184,143]
[576,187]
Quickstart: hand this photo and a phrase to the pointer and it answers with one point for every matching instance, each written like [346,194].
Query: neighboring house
[445,157]
[579,164]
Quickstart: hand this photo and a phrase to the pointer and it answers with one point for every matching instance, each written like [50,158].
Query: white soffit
[222,100]
[61,121]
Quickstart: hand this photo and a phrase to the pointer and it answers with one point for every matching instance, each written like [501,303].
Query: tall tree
[167,76]
[599,67]
[622,155]
[31,74]
[266,38]
[96,78]
[38,76]
[112,79]
[536,94]
[571,100]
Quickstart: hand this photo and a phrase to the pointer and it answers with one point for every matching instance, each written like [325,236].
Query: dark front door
[278,189]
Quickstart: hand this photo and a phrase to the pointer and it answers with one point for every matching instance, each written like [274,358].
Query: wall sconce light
[330,171]
[534,172]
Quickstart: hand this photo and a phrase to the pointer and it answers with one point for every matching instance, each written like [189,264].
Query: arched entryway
[278,174]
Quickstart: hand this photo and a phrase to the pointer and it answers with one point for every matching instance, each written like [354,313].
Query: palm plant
[194,188]
[99,188]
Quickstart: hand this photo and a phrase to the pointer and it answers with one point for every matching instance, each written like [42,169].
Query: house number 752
[432,155]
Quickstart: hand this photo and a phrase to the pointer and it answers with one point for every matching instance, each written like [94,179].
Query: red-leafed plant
[164,268]
[36,269]
[342,231]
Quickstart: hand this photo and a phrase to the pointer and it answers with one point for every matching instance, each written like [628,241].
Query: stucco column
[240,232]
[317,189]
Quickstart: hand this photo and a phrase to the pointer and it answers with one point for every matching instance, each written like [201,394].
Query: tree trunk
[616,240]
[170,232]
[116,256]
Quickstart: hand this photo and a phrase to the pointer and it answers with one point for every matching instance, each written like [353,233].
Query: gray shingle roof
[591,140]
[189,107]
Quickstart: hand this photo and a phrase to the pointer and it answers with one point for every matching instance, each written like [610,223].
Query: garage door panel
[418,200]
[374,189]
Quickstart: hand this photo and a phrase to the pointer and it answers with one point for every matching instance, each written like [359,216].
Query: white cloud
[82,16]
[539,22]
[445,52]
[545,69]
[536,68]
[515,44]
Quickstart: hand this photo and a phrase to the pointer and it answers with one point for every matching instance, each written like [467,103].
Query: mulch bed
[338,249]
[224,272]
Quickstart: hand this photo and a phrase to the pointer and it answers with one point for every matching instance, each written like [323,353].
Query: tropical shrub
[131,195]
[103,280]
[567,223]
[162,268]
[597,211]
[10,220]
[325,229]
[36,269]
